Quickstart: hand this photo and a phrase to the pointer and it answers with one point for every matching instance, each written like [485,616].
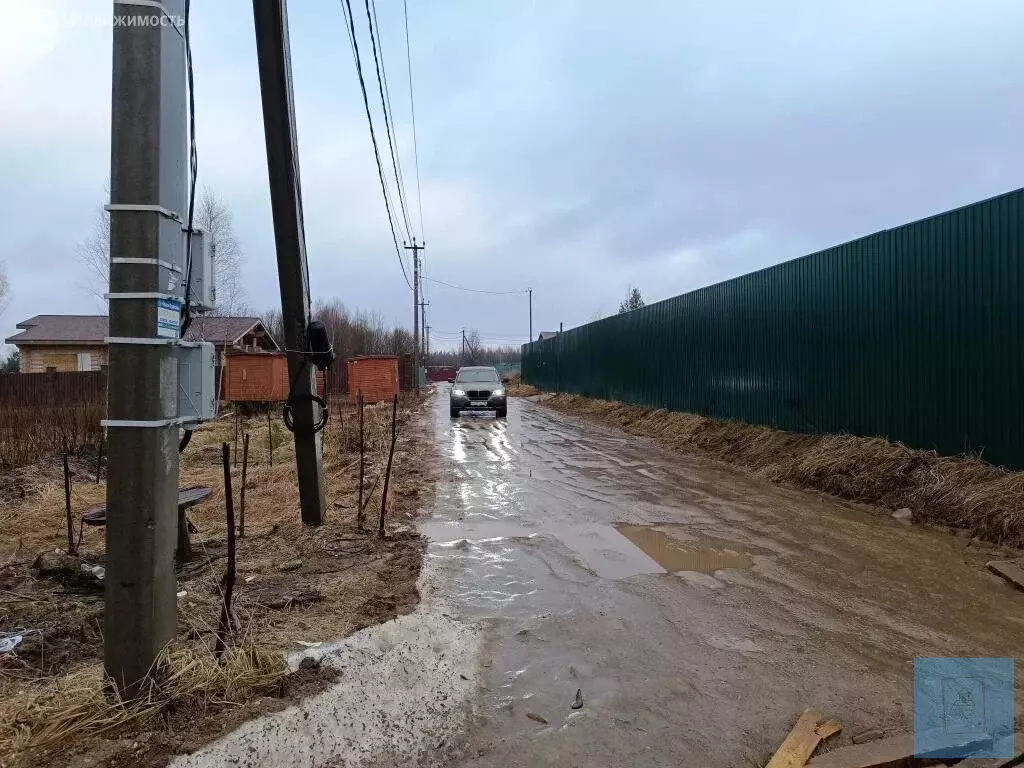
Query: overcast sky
[573,147]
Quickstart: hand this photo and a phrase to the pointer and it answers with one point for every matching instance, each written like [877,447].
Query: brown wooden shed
[259,377]
[376,376]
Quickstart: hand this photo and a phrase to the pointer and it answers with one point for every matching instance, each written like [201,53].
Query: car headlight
[498,392]
[459,392]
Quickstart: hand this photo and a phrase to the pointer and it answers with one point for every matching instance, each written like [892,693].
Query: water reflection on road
[696,607]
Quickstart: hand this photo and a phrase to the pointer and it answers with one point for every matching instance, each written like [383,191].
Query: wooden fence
[18,390]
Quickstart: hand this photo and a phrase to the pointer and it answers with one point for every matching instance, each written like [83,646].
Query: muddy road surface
[696,608]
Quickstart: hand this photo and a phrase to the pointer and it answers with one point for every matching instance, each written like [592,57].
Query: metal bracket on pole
[142,424]
[142,341]
[144,208]
[149,262]
[142,295]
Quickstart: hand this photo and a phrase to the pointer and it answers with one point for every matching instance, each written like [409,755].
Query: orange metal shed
[376,376]
[259,377]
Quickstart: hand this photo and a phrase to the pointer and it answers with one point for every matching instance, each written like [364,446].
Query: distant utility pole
[274,55]
[423,331]
[147,211]
[531,312]
[426,343]
[462,354]
[415,308]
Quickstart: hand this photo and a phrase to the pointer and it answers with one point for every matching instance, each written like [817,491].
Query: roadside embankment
[959,491]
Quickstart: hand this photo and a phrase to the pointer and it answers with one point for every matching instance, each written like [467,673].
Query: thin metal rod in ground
[362,462]
[238,419]
[67,506]
[99,458]
[387,472]
[241,505]
[228,584]
[270,438]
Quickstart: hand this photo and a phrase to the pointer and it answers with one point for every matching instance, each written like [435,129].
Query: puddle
[674,554]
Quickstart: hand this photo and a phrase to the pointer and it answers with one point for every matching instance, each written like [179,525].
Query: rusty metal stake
[362,463]
[270,438]
[387,472]
[67,506]
[245,465]
[228,583]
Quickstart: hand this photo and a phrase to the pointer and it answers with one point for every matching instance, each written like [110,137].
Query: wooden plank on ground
[801,742]
[895,752]
[1009,570]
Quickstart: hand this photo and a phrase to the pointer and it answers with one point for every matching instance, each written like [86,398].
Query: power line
[347,6]
[475,290]
[385,105]
[412,110]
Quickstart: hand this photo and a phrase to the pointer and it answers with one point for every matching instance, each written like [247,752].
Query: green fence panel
[913,333]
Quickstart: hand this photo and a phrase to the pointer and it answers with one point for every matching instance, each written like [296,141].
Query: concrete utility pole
[147,208]
[531,312]
[274,54]
[462,354]
[415,308]
[423,330]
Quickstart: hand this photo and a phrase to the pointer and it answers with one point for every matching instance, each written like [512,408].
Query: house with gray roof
[58,343]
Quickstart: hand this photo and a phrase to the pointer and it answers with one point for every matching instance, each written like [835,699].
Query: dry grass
[963,491]
[516,388]
[83,703]
[346,578]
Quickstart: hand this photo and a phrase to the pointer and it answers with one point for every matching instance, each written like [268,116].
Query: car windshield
[477,377]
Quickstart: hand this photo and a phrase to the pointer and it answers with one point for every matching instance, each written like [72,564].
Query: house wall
[259,378]
[375,377]
[36,359]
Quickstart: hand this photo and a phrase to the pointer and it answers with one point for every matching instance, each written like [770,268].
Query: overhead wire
[412,110]
[476,290]
[385,105]
[347,11]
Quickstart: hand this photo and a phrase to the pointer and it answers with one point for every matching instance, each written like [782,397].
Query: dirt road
[697,608]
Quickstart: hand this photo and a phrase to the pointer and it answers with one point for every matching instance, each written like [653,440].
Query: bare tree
[632,301]
[94,254]
[214,217]
[5,287]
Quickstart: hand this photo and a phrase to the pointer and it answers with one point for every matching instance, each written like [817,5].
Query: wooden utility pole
[274,54]
[415,248]
[462,353]
[148,209]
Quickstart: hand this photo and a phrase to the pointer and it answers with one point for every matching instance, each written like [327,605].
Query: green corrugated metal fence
[913,333]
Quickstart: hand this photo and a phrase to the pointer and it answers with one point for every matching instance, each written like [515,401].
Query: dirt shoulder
[962,492]
[296,587]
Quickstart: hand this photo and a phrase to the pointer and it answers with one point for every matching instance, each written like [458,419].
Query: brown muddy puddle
[674,554]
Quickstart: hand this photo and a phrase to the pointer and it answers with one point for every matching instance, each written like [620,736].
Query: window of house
[84,361]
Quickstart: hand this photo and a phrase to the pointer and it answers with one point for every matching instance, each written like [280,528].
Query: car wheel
[454,412]
[502,412]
